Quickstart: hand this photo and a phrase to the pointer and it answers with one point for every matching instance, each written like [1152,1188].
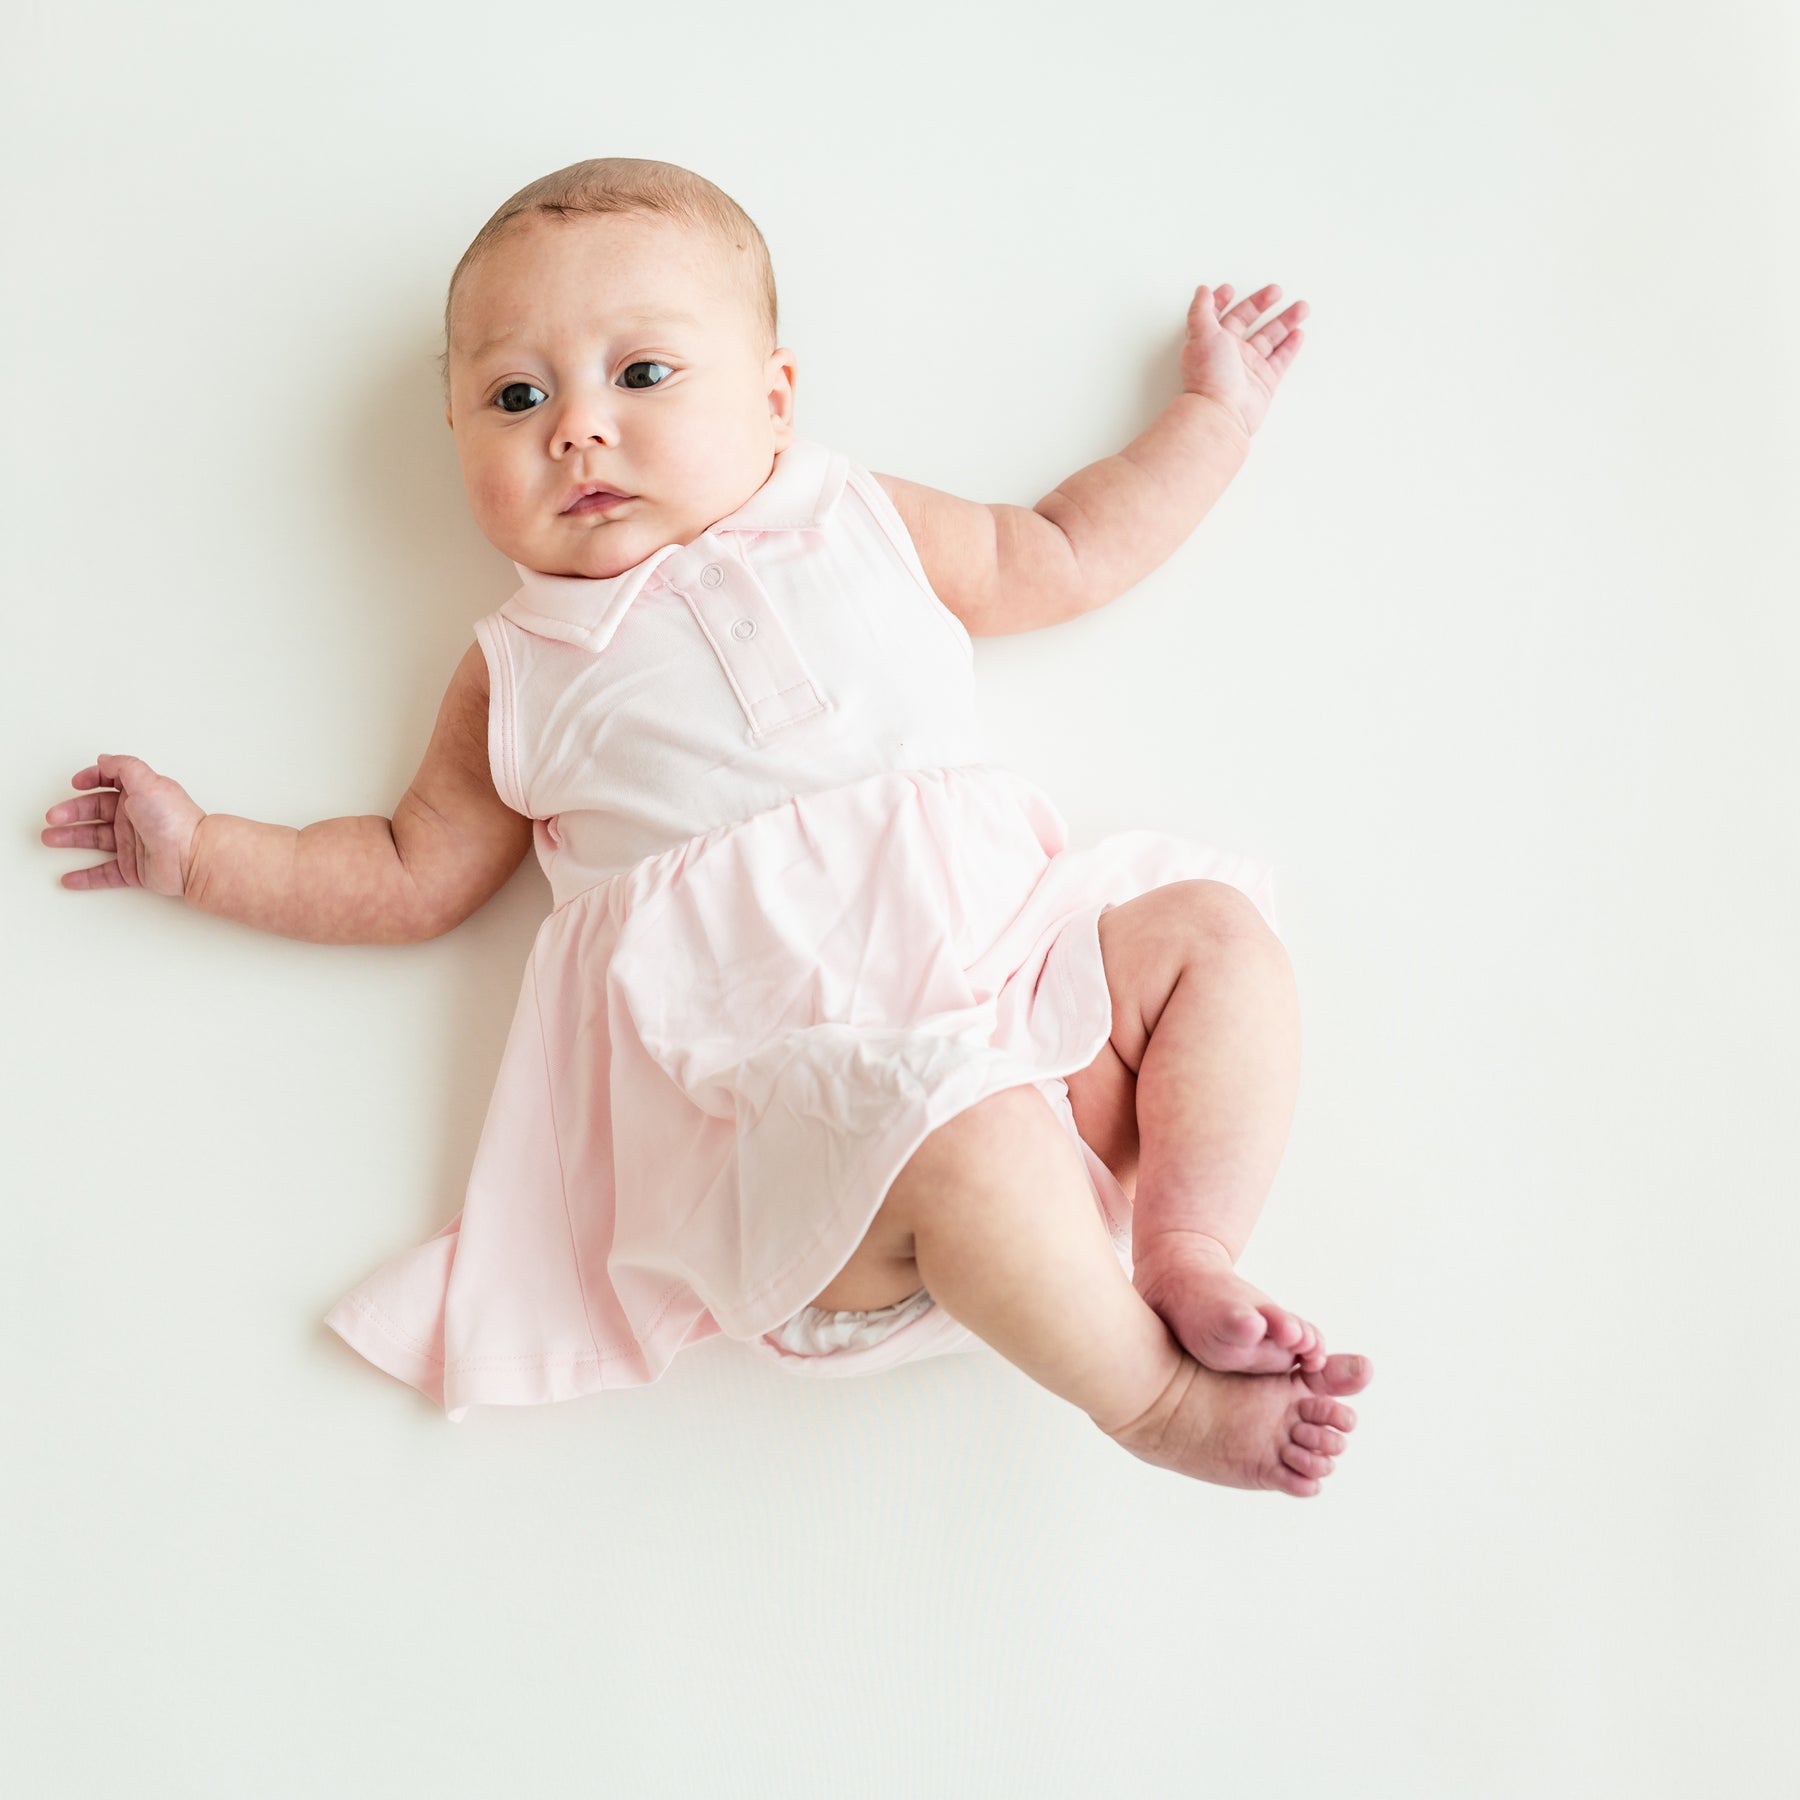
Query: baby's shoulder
[959,543]
[468,690]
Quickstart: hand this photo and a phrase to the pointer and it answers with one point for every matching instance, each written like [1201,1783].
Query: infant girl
[830,1043]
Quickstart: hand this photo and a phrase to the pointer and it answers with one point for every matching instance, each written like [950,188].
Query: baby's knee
[1204,914]
[1003,1138]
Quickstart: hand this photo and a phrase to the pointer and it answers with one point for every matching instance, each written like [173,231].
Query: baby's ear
[447,418]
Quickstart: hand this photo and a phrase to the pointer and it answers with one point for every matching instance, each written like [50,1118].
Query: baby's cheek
[493,494]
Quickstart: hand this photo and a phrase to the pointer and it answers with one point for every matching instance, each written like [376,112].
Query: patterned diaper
[818,1331]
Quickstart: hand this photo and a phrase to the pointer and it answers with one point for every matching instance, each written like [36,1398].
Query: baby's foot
[1219,1318]
[1249,1431]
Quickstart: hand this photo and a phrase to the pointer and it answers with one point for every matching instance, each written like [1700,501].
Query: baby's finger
[80,837]
[1243,315]
[87,806]
[1266,337]
[101,875]
[1217,299]
[124,771]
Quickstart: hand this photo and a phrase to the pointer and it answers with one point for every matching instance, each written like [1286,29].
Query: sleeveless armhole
[875,499]
[503,743]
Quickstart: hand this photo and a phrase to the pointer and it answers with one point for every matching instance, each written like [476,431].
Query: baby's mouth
[603,501]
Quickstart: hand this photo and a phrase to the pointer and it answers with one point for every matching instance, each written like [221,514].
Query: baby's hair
[633,184]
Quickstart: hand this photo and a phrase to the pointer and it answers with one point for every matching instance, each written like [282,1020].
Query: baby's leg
[1005,1234]
[1206,1017]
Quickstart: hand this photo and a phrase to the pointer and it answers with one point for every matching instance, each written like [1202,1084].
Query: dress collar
[802,488]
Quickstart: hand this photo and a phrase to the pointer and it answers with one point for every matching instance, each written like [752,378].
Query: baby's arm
[1011,568]
[1004,568]
[451,844]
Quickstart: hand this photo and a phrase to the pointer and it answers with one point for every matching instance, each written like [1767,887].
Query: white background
[1490,651]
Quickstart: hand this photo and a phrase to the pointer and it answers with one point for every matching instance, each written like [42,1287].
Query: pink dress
[799,919]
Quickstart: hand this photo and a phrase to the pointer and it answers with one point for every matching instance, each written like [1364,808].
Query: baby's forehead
[700,292]
[647,306]
[676,316]
[706,289]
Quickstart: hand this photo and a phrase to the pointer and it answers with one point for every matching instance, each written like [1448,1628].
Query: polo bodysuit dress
[799,919]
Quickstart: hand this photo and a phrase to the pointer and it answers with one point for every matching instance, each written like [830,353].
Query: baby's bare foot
[1217,1317]
[1250,1431]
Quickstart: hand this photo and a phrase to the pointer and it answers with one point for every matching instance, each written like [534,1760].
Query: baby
[830,1042]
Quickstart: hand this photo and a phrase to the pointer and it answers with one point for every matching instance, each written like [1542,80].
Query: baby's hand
[1224,360]
[149,821]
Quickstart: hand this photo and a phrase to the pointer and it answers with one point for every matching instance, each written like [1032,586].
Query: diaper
[818,1331]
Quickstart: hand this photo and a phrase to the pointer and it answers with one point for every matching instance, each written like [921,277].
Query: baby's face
[597,377]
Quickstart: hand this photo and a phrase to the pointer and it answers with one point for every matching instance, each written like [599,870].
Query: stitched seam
[376,1317]
[887,516]
[503,680]
[511,724]
[576,1359]
[745,705]
[820,705]
[719,655]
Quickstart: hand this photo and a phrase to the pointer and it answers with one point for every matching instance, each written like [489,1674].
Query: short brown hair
[633,184]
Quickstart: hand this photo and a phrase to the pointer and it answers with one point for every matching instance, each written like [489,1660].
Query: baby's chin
[594,547]
[598,546]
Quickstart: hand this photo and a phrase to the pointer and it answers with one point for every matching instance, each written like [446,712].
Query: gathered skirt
[721,1058]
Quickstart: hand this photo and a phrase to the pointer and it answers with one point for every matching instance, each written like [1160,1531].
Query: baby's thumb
[123,771]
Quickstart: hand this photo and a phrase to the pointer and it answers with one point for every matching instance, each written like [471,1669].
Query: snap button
[744,628]
[712,575]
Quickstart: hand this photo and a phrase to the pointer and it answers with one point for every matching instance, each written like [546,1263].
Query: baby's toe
[1340,1375]
[1306,1462]
[1317,1409]
[1285,1329]
[1245,1327]
[1325,1439]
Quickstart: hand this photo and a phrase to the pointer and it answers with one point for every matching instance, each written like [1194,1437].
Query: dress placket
[770,678]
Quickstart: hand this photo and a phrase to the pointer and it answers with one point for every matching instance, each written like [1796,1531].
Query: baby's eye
[513,387]
[646,365]
[531,387]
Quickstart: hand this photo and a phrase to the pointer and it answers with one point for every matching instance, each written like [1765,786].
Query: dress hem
[374,1335]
